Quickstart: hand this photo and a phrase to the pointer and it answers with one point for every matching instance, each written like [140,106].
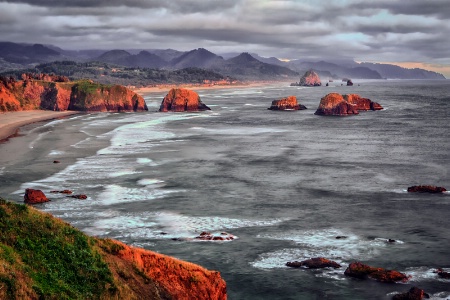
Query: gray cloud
[382,30]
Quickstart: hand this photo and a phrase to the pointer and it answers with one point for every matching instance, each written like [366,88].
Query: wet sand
[10,122]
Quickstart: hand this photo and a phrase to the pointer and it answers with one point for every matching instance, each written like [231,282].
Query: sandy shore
[166,87]
[10,122]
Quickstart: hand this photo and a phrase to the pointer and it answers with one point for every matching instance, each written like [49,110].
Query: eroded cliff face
[310,78]
[83,95]
[179,100]
[335,104]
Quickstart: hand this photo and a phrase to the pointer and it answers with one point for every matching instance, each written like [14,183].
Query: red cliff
[57,94]
[310,78]
[341,105]
[179,100]
[288,103]
[362,103]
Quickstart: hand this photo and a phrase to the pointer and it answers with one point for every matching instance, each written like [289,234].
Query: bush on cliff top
[55,259]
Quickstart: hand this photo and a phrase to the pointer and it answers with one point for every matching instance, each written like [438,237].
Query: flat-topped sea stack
[335,104]
[180,100]
[58,94]
[288,103]
[310,78]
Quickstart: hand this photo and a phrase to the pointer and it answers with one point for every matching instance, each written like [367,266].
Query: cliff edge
[42,257]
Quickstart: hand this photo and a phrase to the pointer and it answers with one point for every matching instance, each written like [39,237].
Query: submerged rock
[413,294]
[314,263]
[426,189]
[179,100]
[362,271]
[34,196]
[288,103]
[441,273]
[207,236]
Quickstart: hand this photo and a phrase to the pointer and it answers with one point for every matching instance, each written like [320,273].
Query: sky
[411,33]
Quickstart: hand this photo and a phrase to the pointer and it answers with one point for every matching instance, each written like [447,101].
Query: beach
[10,122]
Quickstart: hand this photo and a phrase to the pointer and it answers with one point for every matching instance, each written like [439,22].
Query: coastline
[10,122]
[166,87]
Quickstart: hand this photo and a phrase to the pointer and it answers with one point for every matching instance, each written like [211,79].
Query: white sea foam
[321,243]
[149,181]
[146,161]
[56,152]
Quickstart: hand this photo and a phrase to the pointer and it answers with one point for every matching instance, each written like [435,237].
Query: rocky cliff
[179,100]
[42,257]
[288,103]
[55,93]
[310,78]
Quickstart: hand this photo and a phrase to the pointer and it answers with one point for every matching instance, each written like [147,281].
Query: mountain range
[243,66]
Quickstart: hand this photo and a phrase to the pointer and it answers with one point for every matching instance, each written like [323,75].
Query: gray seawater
[284,183]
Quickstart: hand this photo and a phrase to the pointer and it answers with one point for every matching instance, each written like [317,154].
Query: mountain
[396,72]
[336,71]
[199,58]
[245,66]
[26,53]
[269,60]
[166,54]
[143,59]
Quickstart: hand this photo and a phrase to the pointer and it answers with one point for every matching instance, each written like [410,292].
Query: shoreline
[10,122]
[166,87]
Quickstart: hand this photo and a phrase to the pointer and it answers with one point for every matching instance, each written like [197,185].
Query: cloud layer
[379,30]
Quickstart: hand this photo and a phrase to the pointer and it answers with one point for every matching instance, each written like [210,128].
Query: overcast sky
[398,31]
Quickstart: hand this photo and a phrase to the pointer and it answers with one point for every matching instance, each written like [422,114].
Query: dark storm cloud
[394,30]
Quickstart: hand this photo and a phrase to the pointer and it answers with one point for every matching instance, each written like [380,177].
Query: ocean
[285,184]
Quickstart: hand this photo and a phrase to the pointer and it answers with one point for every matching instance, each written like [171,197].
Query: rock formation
[34,196]
[288,103]
[314,263]
[413,294]
[362,103]
[335,104]
[207,236]
[55,93]
[349,82]
[441,273]
[426,189]
[179,100]
[362,271]
[310,78]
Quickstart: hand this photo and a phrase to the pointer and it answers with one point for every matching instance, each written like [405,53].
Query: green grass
[61,261]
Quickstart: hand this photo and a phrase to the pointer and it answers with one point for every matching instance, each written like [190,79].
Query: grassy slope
[42,257]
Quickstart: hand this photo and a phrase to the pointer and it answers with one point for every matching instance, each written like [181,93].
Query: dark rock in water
[326,84]
[56,161]
[391,241]
[80,196]
[340,237]
[62,192]
[179,100]
[413,294]
[314,263]
[288,103]
[441,273]
[426,189]
[207,236]
[362,271]
[34,196]
[335,105]
[349,82]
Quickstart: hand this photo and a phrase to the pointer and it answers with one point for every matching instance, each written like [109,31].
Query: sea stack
[335,104]
[180,100]
[310,79]
[288,103]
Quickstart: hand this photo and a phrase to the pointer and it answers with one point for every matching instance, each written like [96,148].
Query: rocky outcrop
[288,103]
[59,95]
[362,103]
[207,236]
[179,100]
[426,189]
[362,271]
[310,78]
[441,273]
[34,196]
[413,294]
[349,82]
[335,104]
[314,263]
